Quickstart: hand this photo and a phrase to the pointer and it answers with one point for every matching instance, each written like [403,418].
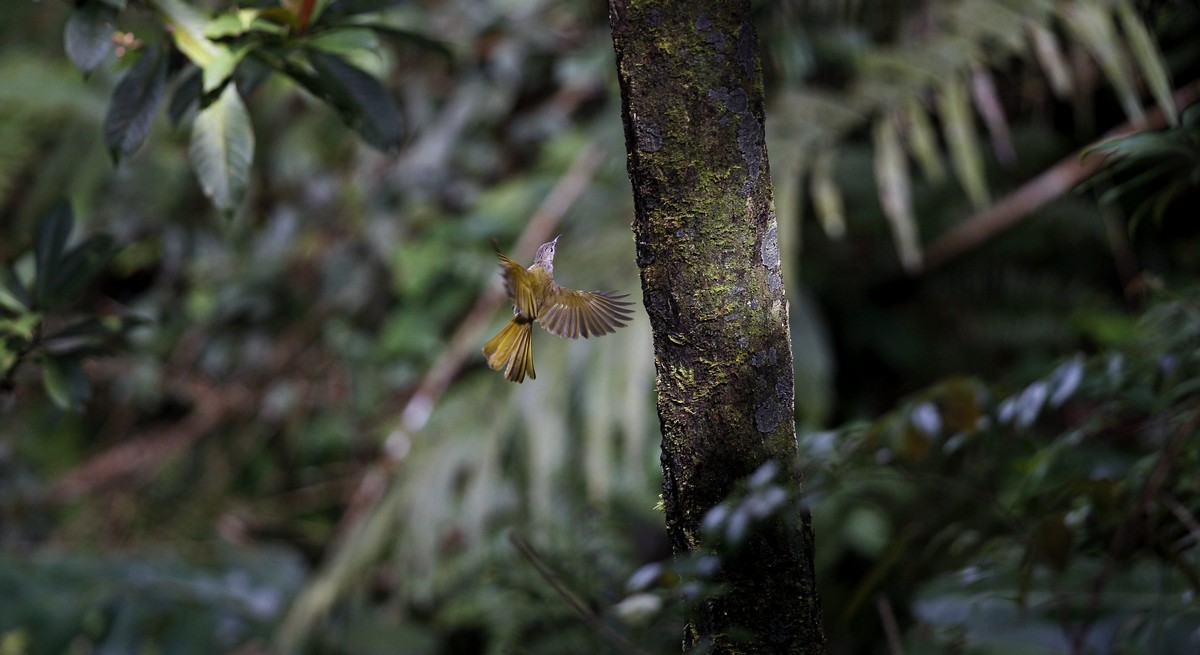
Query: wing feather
[573,313]
[517,288]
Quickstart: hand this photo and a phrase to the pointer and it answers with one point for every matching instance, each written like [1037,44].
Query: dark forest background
[247,266]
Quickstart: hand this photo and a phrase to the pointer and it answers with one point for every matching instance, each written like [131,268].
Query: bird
[564,312]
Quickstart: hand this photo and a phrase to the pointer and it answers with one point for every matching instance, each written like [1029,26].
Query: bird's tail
[512,350]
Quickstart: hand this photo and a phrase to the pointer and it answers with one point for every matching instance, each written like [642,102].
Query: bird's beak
[556,239]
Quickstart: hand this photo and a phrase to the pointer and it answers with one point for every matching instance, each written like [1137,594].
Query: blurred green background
[282,432]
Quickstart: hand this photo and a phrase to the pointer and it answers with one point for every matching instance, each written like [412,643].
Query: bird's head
[545,254]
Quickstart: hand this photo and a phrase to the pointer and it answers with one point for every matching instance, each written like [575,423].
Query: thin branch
[614,638]
[1035,194]
[140,458]
[890,627]
[1184,515]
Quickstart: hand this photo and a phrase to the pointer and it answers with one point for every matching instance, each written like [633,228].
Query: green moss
[699,170]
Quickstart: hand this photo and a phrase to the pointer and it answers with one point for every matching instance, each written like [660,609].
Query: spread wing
[519,290]
[572,313]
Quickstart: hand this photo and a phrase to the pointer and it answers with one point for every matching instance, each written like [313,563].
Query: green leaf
[1150,60]
[51,240]
[1141,145]
[65,382]
[922,142]
[222,66]
[226,25]
[77,269]
[88,35]
[362,101]
[187,95]
[135,103]
[346,42]
[222,149]
[187,29]
[13,295]
[895,192]
[23,327]
[954,106]
[235,24]
[1093,26]
[827,196]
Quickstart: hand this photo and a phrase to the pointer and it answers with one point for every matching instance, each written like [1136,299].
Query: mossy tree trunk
[707,247]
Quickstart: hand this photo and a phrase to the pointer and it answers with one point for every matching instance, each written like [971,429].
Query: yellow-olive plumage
[563,312]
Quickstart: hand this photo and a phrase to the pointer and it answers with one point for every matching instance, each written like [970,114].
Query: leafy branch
[310,42]
[60,275]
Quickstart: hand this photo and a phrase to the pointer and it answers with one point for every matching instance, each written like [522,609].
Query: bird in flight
[563,312]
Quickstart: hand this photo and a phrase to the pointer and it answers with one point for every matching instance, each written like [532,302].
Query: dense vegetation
[247,269]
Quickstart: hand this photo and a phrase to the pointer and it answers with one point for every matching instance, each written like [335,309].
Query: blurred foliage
[1056,517]
[1166,162]
[913,70]
[302,216]
[31,319]
[72,603]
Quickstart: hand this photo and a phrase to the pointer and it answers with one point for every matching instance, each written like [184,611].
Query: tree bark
[708,251]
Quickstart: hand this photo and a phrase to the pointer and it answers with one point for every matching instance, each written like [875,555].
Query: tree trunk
[707,247]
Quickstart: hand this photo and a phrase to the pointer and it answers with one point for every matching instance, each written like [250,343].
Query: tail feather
[512,350]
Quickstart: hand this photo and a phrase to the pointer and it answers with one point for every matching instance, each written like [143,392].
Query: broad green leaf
[54,380]
[22,327]
[827,196]
[1142,145]
[954,105]
[88,35]
[78,268]
[188,92]
[895,191]
[1093,26]
[15,336]
[234,24]
[222,66]
[346,42]
[222,148]
[135,103]
[187,29]
[51,240]
[13,295]
[362,100]
[65,382]
[1149,59]
[226,25]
